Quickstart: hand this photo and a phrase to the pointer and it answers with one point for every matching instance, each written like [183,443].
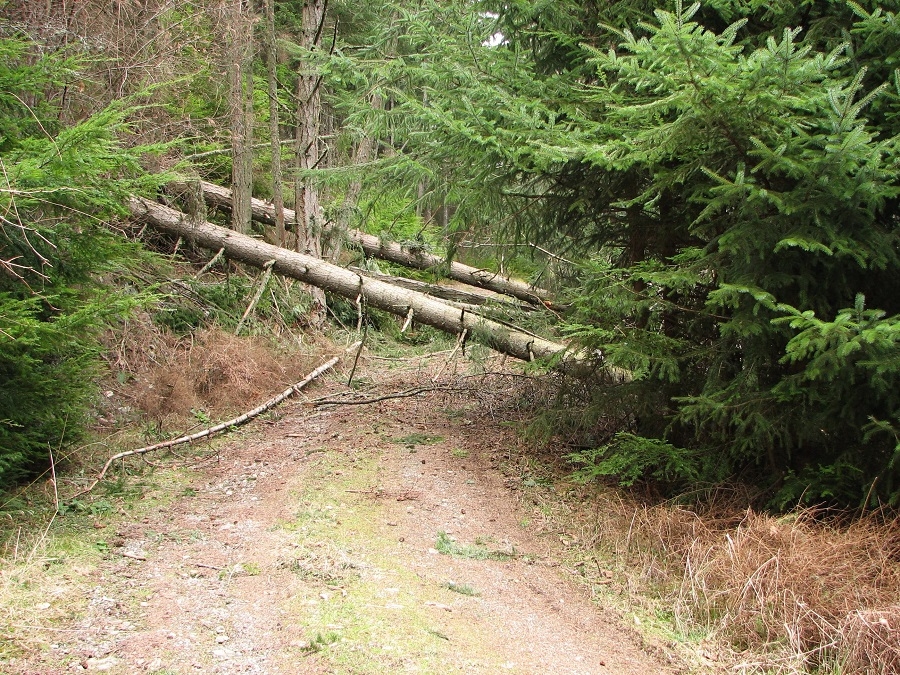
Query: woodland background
[711,191]
[704,197]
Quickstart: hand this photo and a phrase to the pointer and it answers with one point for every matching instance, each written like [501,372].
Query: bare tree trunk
[308,148]
[307,218]
[277,181]
[458,297]
[373,246]
[240,100]
[390,298]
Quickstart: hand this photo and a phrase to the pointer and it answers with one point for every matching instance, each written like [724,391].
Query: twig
[208,266]
[409,318]
[410,358]
[550,254]
[237,421]
[208,567]
[460,341]
[53,479]
[310,453]
[399,495]
[133,556]
[313,401]
[222,151]
[256,296]
[403,394]
[362,341]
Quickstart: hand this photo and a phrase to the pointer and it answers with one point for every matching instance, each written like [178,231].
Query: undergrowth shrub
[630,458]
[61,185]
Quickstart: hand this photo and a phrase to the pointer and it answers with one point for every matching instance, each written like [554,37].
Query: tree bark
[458,296]
[307,211]
[308,148]
[271,64]
[317,272]
[373,246]
[240,101]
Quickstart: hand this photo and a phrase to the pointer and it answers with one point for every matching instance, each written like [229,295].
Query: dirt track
[312,546]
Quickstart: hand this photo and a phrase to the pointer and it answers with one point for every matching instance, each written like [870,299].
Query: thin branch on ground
[408,358]
[460,341]
[407,393]
[230,424]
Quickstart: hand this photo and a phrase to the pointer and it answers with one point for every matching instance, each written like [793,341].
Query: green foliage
[191,304]
[630,458]
[392,218]
[59,183]
[21,81]
[792,197]
[728,174]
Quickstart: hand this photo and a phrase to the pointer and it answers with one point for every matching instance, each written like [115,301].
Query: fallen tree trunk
[446,293]
[373,246]
[384,296]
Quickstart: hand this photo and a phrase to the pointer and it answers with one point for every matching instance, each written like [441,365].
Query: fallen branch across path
[408,393]
[230,424]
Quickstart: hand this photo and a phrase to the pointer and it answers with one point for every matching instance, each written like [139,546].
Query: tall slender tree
[240,103]
[308,146]
[274,127]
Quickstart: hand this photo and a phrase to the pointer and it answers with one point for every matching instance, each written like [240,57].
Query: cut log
[400,301]
[373,246]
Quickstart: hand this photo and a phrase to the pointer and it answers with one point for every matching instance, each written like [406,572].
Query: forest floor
[407,535]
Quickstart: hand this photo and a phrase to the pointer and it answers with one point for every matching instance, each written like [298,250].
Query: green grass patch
[462,589]
[321,641]
[478,551]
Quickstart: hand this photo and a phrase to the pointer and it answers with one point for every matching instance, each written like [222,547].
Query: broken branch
[415,391]
[236,422]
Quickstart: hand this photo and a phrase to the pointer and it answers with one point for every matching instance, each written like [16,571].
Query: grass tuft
[448,546]
[462,589]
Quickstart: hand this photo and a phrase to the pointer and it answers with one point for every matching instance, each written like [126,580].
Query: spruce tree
[60,184]
[727,173]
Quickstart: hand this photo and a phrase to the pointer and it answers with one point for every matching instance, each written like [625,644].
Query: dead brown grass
[167,379]
[795,592]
